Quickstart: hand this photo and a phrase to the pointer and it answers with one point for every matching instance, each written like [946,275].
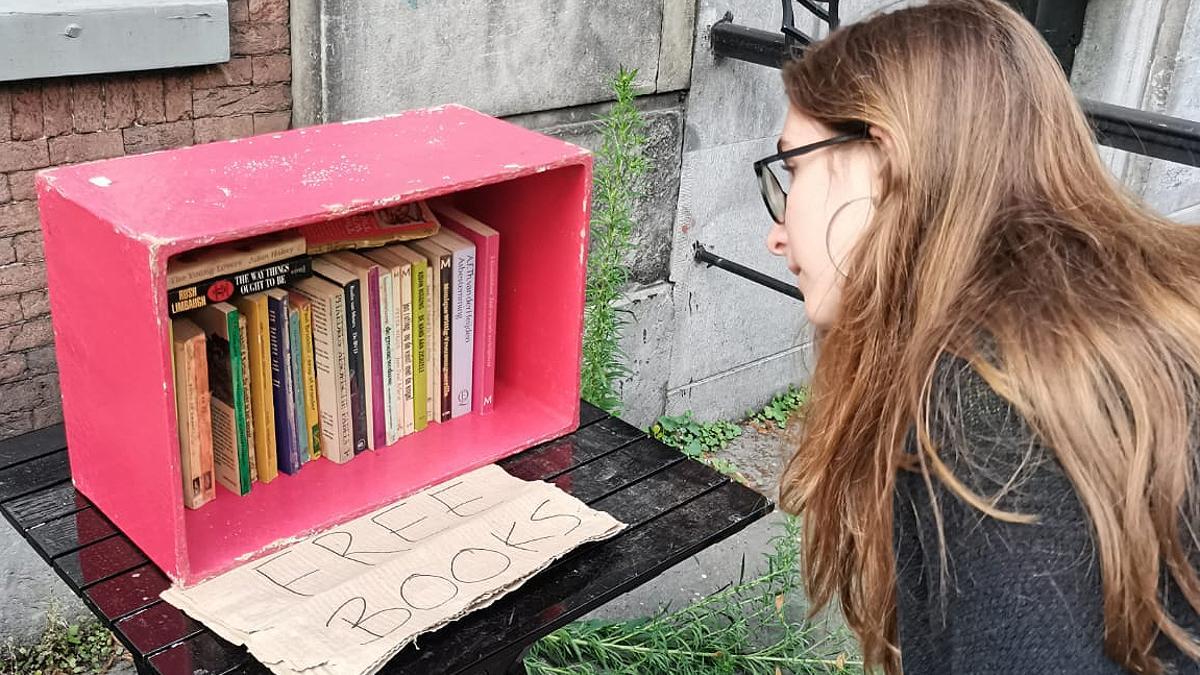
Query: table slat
[553,458]
[157,626]
[46,505]
[617,469]
[100,561]
[204,653]
[71,532]
[128,592]
[32,476]
[589,414]
[661,491]
[33,444]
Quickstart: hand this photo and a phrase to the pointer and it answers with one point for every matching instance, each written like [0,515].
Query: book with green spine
[247,395]
[231,439]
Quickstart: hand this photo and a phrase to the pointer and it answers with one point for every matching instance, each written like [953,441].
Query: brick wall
[74,119]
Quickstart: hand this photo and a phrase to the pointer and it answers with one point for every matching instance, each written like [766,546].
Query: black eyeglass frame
[761,171]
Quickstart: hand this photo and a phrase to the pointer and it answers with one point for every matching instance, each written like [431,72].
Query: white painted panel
[48,38]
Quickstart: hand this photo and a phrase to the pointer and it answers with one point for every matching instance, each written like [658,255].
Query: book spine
[259,324]
[378,422]
[296,362]
[248,397]
[387,328]
[325,374]
[191,273]
[487,264]
[446,265]
[285,432]
[222,406]
[236,285]
[433,328]
[420,300]
[407,398]
[463,335]
[202,404]
[396,317]
[356,365]
[240,398]
[185,416]
[308,370]
[485,323]
[242,439]
[341,369]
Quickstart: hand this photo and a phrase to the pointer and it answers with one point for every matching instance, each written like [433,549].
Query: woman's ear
[884,148]
[880,136]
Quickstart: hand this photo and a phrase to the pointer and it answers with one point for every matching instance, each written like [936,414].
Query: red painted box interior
[110,226]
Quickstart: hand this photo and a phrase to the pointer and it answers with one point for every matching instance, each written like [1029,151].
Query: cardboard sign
[345,600]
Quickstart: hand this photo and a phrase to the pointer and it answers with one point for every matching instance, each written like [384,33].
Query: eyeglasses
[773,194]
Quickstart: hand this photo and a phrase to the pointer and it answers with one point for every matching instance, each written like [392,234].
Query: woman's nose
[777,239]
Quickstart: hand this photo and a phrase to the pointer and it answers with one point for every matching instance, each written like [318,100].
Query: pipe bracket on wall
[703,255]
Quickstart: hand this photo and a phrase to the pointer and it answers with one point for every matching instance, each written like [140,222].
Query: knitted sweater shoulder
[987,596]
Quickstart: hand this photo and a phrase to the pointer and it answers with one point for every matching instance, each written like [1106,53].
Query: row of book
[285,357]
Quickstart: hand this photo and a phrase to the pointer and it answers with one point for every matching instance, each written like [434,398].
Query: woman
[997,470]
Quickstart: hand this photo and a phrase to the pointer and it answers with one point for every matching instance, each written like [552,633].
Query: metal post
[1060,22]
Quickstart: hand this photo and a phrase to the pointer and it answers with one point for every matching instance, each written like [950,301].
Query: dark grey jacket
[1016,598]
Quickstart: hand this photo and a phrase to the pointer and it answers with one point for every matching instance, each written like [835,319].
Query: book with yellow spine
[262,407]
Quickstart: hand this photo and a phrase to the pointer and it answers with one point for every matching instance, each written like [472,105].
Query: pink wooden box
[110,227]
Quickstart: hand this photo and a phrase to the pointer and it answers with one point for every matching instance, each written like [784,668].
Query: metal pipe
[1145,133]
[702,255]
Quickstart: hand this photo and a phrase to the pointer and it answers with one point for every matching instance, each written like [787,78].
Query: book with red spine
[388,225]
[487,284]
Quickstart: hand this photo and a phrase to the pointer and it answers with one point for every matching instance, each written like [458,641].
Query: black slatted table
[675,506]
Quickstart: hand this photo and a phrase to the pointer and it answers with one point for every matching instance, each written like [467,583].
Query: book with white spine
[462,318]
[332,366]
[401,274]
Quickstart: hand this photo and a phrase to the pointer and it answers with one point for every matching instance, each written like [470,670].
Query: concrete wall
[377,56]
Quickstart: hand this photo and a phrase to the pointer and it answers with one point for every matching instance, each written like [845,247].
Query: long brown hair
[996,217]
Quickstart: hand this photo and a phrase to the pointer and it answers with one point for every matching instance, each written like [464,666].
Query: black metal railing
[1137,131]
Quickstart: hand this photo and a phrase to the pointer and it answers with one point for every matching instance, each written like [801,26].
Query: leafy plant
[746,627]
[699,440]
[619,164]
[692,437]
[64,648]
[781,407]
